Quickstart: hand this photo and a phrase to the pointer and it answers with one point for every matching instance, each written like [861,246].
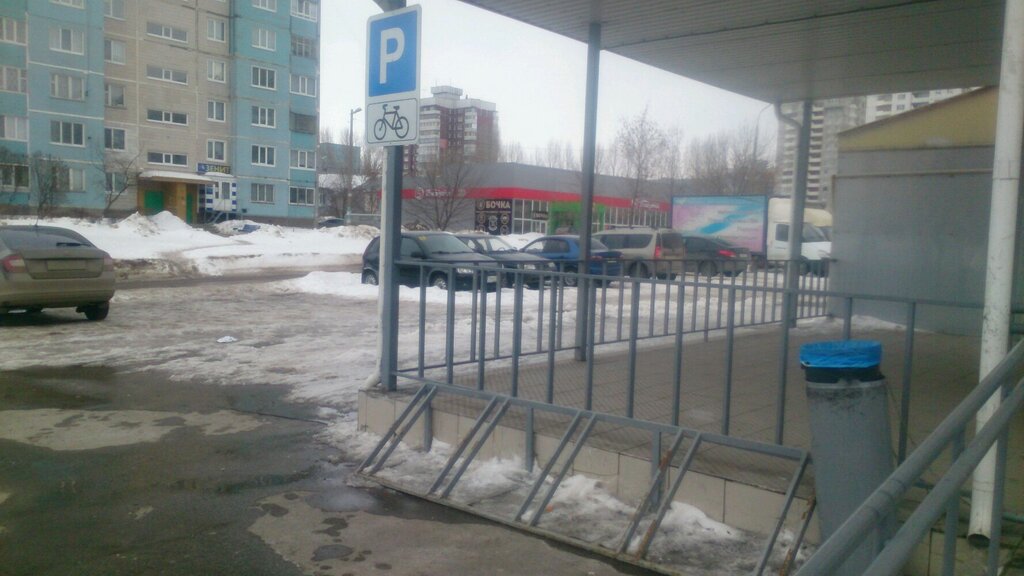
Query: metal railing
[943,498]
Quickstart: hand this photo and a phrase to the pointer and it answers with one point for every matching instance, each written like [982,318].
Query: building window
[67,133]
[216,150]
[301,196]
[217,71]
[67,87]
[113,94]
[264,117]
[261,193]
[113,51]
[75,180]
[304,123]
[72,3]
[304,159]
[167,74]
[304,47]
[305,85]
[268,5]
[12,31]
[305,9]
[215,110]
[263,155]
[264,78]
[67,40]
[113,9]
[13,127]
[114,182]
[13,176]
[13,79]
[264,39]
[165,31]
[167,158]
[167,117]
[113,138]
[216,29]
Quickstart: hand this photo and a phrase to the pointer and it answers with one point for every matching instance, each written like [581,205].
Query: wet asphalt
[271,500]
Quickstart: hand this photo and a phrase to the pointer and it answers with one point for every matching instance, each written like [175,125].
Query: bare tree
[120,172]
[751,173]
[726,163]
[444,193]
[641,144]
[707,163]
[51,179]
[369,193]
[512,152]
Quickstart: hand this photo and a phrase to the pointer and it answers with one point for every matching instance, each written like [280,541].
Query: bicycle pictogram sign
[391,120]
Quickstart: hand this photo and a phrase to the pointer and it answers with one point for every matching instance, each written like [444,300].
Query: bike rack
[652,508]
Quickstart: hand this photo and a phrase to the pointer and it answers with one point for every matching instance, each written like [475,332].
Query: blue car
[564,249]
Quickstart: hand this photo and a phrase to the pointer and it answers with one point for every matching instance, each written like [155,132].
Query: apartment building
[450,123]
[205,108]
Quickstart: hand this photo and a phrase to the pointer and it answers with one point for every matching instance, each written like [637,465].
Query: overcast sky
[536,78]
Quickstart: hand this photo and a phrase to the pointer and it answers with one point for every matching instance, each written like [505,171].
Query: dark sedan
[710,256]
[433,256]
[508,256]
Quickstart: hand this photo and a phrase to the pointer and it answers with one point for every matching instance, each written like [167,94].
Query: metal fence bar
[439,480]
[411,417]
[561,308]
[634,321]
[540,313]
[421,357]
[476,448]
[677,364]
[517,333]
[449,333]
[479,281]
[424,390]
[952,515]
[653,308]
[790,495]
[908,367]
[565,470]
[549,394]
[481,370]
[666,502]
[497,315]
[528,456]
[847,317]
[664,463]
[604,311]
[780,397]
[668,303]
[622,297]
[730,341]
[549,465]
[998,496]
[588,392]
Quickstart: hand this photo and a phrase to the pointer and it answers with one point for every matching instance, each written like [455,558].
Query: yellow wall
[962,121]
[175,196]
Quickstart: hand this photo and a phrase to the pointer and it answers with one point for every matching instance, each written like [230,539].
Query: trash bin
[851,443]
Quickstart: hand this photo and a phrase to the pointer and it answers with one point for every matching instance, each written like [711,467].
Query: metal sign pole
[390,247]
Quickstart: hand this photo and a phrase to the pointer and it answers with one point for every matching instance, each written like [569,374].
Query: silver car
[49,267]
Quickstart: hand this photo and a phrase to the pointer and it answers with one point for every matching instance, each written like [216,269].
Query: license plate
[492,278]
[65,265]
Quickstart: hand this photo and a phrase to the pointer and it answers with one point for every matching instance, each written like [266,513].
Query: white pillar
[1001,238]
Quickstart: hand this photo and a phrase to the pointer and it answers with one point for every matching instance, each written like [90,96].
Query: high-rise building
[449,123]
[200,107]
[828,119]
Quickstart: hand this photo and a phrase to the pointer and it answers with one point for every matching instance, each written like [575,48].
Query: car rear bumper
[19,291]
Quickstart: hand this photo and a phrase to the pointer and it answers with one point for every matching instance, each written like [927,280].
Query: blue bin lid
[841,354]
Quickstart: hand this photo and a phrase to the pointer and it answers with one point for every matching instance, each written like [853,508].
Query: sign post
[392,119]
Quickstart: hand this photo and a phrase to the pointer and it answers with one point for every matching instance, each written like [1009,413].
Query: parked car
[50,267]
[564,250]
[436,253]
[647,251]
[508,256]
[710,256]
[330,222]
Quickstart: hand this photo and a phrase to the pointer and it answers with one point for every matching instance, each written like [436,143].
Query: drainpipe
[797,203]
[1002,233]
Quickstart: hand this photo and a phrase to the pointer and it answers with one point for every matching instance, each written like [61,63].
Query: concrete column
[796,216]
[1001,239]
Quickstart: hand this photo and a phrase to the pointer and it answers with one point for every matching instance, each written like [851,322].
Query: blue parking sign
[393,52]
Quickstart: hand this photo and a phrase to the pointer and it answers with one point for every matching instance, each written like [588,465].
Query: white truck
[816,248]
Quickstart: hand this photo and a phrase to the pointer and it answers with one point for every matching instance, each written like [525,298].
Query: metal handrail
[884,499]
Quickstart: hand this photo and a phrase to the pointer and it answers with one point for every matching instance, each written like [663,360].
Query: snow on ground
[165,245]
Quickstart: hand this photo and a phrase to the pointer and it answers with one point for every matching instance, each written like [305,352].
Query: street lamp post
[351,170]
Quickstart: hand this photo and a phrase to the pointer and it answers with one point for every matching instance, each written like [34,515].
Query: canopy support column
[1002,232]
[587,193]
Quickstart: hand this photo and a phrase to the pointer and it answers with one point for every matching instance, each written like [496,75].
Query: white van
[816,248]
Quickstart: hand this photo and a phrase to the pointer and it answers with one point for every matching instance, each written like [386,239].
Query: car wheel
[708,269]
[439,281]
[369,277]
[97,312]
[570,280]
[639,270]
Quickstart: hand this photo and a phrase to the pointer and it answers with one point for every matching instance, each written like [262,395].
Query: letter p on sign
[393,53]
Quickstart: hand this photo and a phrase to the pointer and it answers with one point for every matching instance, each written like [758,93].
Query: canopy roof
[785,50]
